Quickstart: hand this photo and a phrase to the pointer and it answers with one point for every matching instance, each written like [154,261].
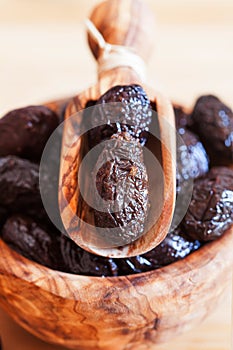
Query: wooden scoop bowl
[128,23]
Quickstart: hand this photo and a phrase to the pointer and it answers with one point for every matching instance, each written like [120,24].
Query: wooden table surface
[44,55]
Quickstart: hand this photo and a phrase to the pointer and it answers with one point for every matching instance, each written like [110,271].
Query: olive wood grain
[129,23]
[115,313]
[58,106]
[124,22]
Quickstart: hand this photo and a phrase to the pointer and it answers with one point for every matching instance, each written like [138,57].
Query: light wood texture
[127,23]
[209,335]
[193,55]
[124,22]
[133,312]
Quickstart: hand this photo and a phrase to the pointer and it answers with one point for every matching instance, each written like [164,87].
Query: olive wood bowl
[129,312]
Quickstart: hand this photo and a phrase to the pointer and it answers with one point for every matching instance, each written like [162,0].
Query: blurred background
[44,55]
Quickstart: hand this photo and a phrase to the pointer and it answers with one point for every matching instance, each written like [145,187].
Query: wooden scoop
[129,25]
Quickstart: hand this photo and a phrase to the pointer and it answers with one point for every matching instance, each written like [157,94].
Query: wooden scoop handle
[124,22]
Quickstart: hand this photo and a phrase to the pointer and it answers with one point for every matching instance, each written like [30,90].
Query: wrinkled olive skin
[25,131]
[25,226]
[129,105]
[122,184]
[56,251]
[213,122]
[210,212]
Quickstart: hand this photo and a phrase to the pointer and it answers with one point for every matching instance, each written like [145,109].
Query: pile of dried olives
[208,135]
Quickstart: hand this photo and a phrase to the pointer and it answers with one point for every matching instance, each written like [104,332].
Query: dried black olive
[129,105]
[19,183]
[50,248]
[25,131]
[210,212]
[173,248]
[79,261]
[19,187]
[122,185]
[213,121]
[32,240]
[192,160]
